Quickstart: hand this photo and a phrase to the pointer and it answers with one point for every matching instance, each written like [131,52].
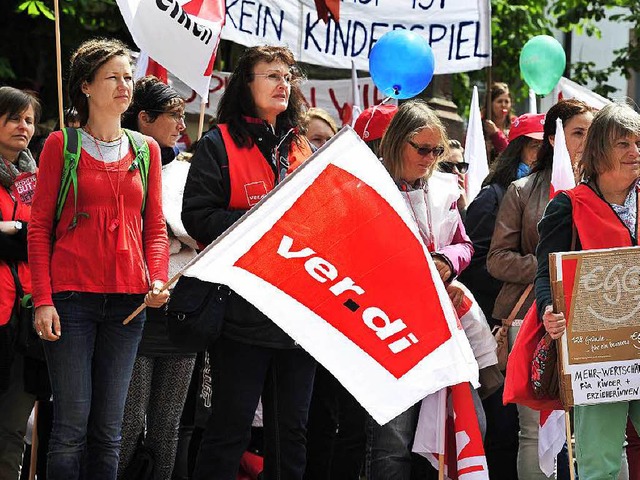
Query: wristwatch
[17,225]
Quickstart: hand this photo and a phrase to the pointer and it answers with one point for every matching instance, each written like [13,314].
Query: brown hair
[565,110]
[412,116]
[14,102]
[237,100]
[152,96]
[85,61]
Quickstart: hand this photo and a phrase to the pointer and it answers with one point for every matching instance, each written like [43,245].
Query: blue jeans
[90,368]
[241,373]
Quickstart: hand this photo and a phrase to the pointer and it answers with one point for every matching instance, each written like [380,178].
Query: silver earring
[88,95]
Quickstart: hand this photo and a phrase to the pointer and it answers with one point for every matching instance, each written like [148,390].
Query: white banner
[459,31]
[335,96]
[181,36]
[334,258]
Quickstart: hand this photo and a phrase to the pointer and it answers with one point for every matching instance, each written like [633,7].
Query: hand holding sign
[542,63]
[401,64]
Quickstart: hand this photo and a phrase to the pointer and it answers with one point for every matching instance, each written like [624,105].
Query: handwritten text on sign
[601,347]
[605,382]
[459,31]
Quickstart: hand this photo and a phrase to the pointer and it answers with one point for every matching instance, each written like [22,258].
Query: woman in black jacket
[254,146]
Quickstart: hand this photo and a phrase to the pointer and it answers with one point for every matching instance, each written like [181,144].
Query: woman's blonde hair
[320,114]
[412,117]
[613,122]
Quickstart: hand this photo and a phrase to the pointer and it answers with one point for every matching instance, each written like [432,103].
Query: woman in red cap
[511,258]
[372,123]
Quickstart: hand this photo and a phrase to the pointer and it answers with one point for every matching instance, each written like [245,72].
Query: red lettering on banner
[343,252]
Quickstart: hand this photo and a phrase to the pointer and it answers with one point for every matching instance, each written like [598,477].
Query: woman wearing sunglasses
[412,146]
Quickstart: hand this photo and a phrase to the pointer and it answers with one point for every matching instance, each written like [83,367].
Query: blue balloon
[401,64]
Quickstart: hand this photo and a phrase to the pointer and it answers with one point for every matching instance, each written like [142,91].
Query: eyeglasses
[437,151]
[275,77]
[176,116]
[449,167]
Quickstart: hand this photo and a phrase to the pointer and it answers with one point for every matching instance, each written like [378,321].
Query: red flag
[462,441]
[326,7]
[148,66]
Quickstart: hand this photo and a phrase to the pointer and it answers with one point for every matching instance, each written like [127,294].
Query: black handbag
[27,341]
[195,313]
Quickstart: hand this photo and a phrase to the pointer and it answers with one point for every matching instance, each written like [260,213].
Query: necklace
[119,137]
[115,222]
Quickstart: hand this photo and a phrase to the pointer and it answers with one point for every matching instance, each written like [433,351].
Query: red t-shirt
[86,258]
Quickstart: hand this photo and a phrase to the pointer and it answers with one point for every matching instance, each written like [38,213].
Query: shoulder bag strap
[512,316]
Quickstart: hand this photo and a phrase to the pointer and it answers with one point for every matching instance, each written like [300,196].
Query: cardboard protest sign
[599,293]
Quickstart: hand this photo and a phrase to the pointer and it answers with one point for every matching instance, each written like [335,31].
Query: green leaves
[35,8]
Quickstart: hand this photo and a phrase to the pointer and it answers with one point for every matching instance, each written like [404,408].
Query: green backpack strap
[141,160]
[71,148]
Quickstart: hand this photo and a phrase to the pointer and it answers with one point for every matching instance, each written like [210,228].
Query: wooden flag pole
[567,422]
[33,463]
[203,107]
[56,8]
[441,466]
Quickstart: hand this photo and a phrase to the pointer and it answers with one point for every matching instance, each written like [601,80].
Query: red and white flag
[562,177]
[182,36]
[147,66]
[333,256]
[475,150]
[551,438]
[448,425]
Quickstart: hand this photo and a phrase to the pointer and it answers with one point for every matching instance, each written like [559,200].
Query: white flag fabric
[475,150]
[551,438]
[571,89]
[183,39]
[533,104]
[333,257]
[562,177]
[356,110]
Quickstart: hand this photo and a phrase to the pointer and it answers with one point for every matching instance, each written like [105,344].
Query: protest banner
[459,31]
[334,96]
[599,293]
[334,257]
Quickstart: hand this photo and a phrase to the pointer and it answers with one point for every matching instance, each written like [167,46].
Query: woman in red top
[19,113]
[94,266]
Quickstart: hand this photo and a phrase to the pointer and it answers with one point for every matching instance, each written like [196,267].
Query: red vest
[250,174]
[597,224]
[7,285]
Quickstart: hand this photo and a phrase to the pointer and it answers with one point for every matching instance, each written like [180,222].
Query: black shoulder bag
[195,313]
[27,341]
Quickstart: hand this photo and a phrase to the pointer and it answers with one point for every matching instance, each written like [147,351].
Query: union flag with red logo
[333,256]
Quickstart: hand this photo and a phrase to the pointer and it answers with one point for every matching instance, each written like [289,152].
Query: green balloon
[542,63]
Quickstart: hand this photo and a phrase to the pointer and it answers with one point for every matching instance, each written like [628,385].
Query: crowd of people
[112,211]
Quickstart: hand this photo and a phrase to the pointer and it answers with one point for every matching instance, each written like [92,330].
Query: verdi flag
[181,36]
[334,257]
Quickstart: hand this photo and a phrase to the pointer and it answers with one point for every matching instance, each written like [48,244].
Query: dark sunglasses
[424,151]
[448,167]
